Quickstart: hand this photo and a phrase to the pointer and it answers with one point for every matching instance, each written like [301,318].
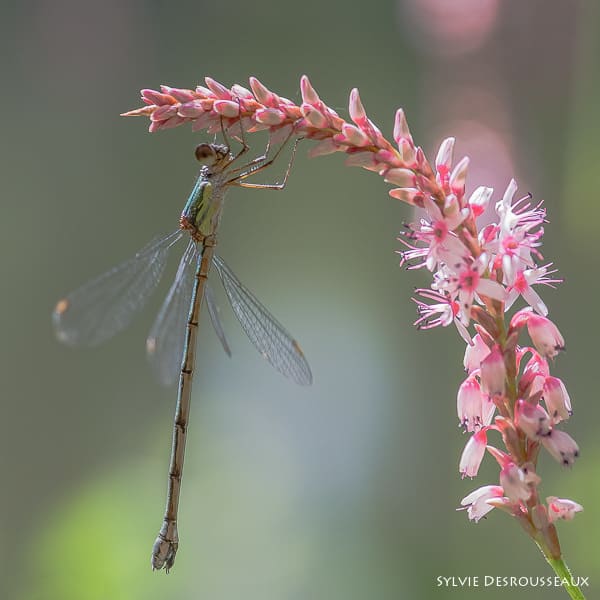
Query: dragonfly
[101,308]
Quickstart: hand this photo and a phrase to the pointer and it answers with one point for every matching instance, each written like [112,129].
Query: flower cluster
[239,110]
[478,273]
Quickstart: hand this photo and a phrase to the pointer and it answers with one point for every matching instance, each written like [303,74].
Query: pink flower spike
[513,481]
[476,502]
[475,353]
[561,446]
[493,373]
[545,336]
[562,508]
[401,130]
[480,199]
[469,404]
[532,419]
[557,399]
[473,454]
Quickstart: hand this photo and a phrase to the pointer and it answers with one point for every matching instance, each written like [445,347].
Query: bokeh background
[346,490]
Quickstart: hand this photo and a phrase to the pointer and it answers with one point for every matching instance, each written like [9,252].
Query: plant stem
[560,568]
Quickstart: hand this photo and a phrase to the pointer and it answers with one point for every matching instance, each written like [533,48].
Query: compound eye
[205,153]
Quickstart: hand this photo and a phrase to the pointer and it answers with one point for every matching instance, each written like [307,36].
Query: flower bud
[512,480]
[493,373]
[562,508]
[545,336]
[532,419]
[469,404]
[561,446]
[557,399]
[475,353]
[473,454]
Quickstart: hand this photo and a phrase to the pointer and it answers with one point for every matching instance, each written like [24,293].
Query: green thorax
[202,210]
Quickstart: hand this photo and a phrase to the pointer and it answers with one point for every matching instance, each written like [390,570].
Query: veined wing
[104,306]
[213,311]
[271,339]
[166,340]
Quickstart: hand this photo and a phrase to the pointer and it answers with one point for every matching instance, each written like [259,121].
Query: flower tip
[444,155]
[401,130]
[511,188]
[356,108]
[459,175]
[261,92]
[309,95]
[219,90]
[138,112]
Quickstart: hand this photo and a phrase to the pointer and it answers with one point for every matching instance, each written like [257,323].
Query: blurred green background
[345,490]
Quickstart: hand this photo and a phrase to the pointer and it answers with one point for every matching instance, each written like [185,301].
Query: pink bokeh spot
[452,26]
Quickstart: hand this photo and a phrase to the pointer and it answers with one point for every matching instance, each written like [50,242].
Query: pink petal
[157,98]
[401,130]
[191,109]
[262,93]
[444,155]
[309,95]
[356,109]
[401,177]
[491,289]
[227,108]
[219,90]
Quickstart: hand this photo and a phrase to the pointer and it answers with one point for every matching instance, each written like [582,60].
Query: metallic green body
[198,211]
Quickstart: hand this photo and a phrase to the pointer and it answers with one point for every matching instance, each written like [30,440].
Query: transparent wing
[166,340]
[271,339]
[213,311]
[106,305]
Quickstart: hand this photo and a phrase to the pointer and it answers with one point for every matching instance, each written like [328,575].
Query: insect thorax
[201,211]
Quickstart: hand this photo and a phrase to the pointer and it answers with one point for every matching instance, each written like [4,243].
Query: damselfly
[107,304]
